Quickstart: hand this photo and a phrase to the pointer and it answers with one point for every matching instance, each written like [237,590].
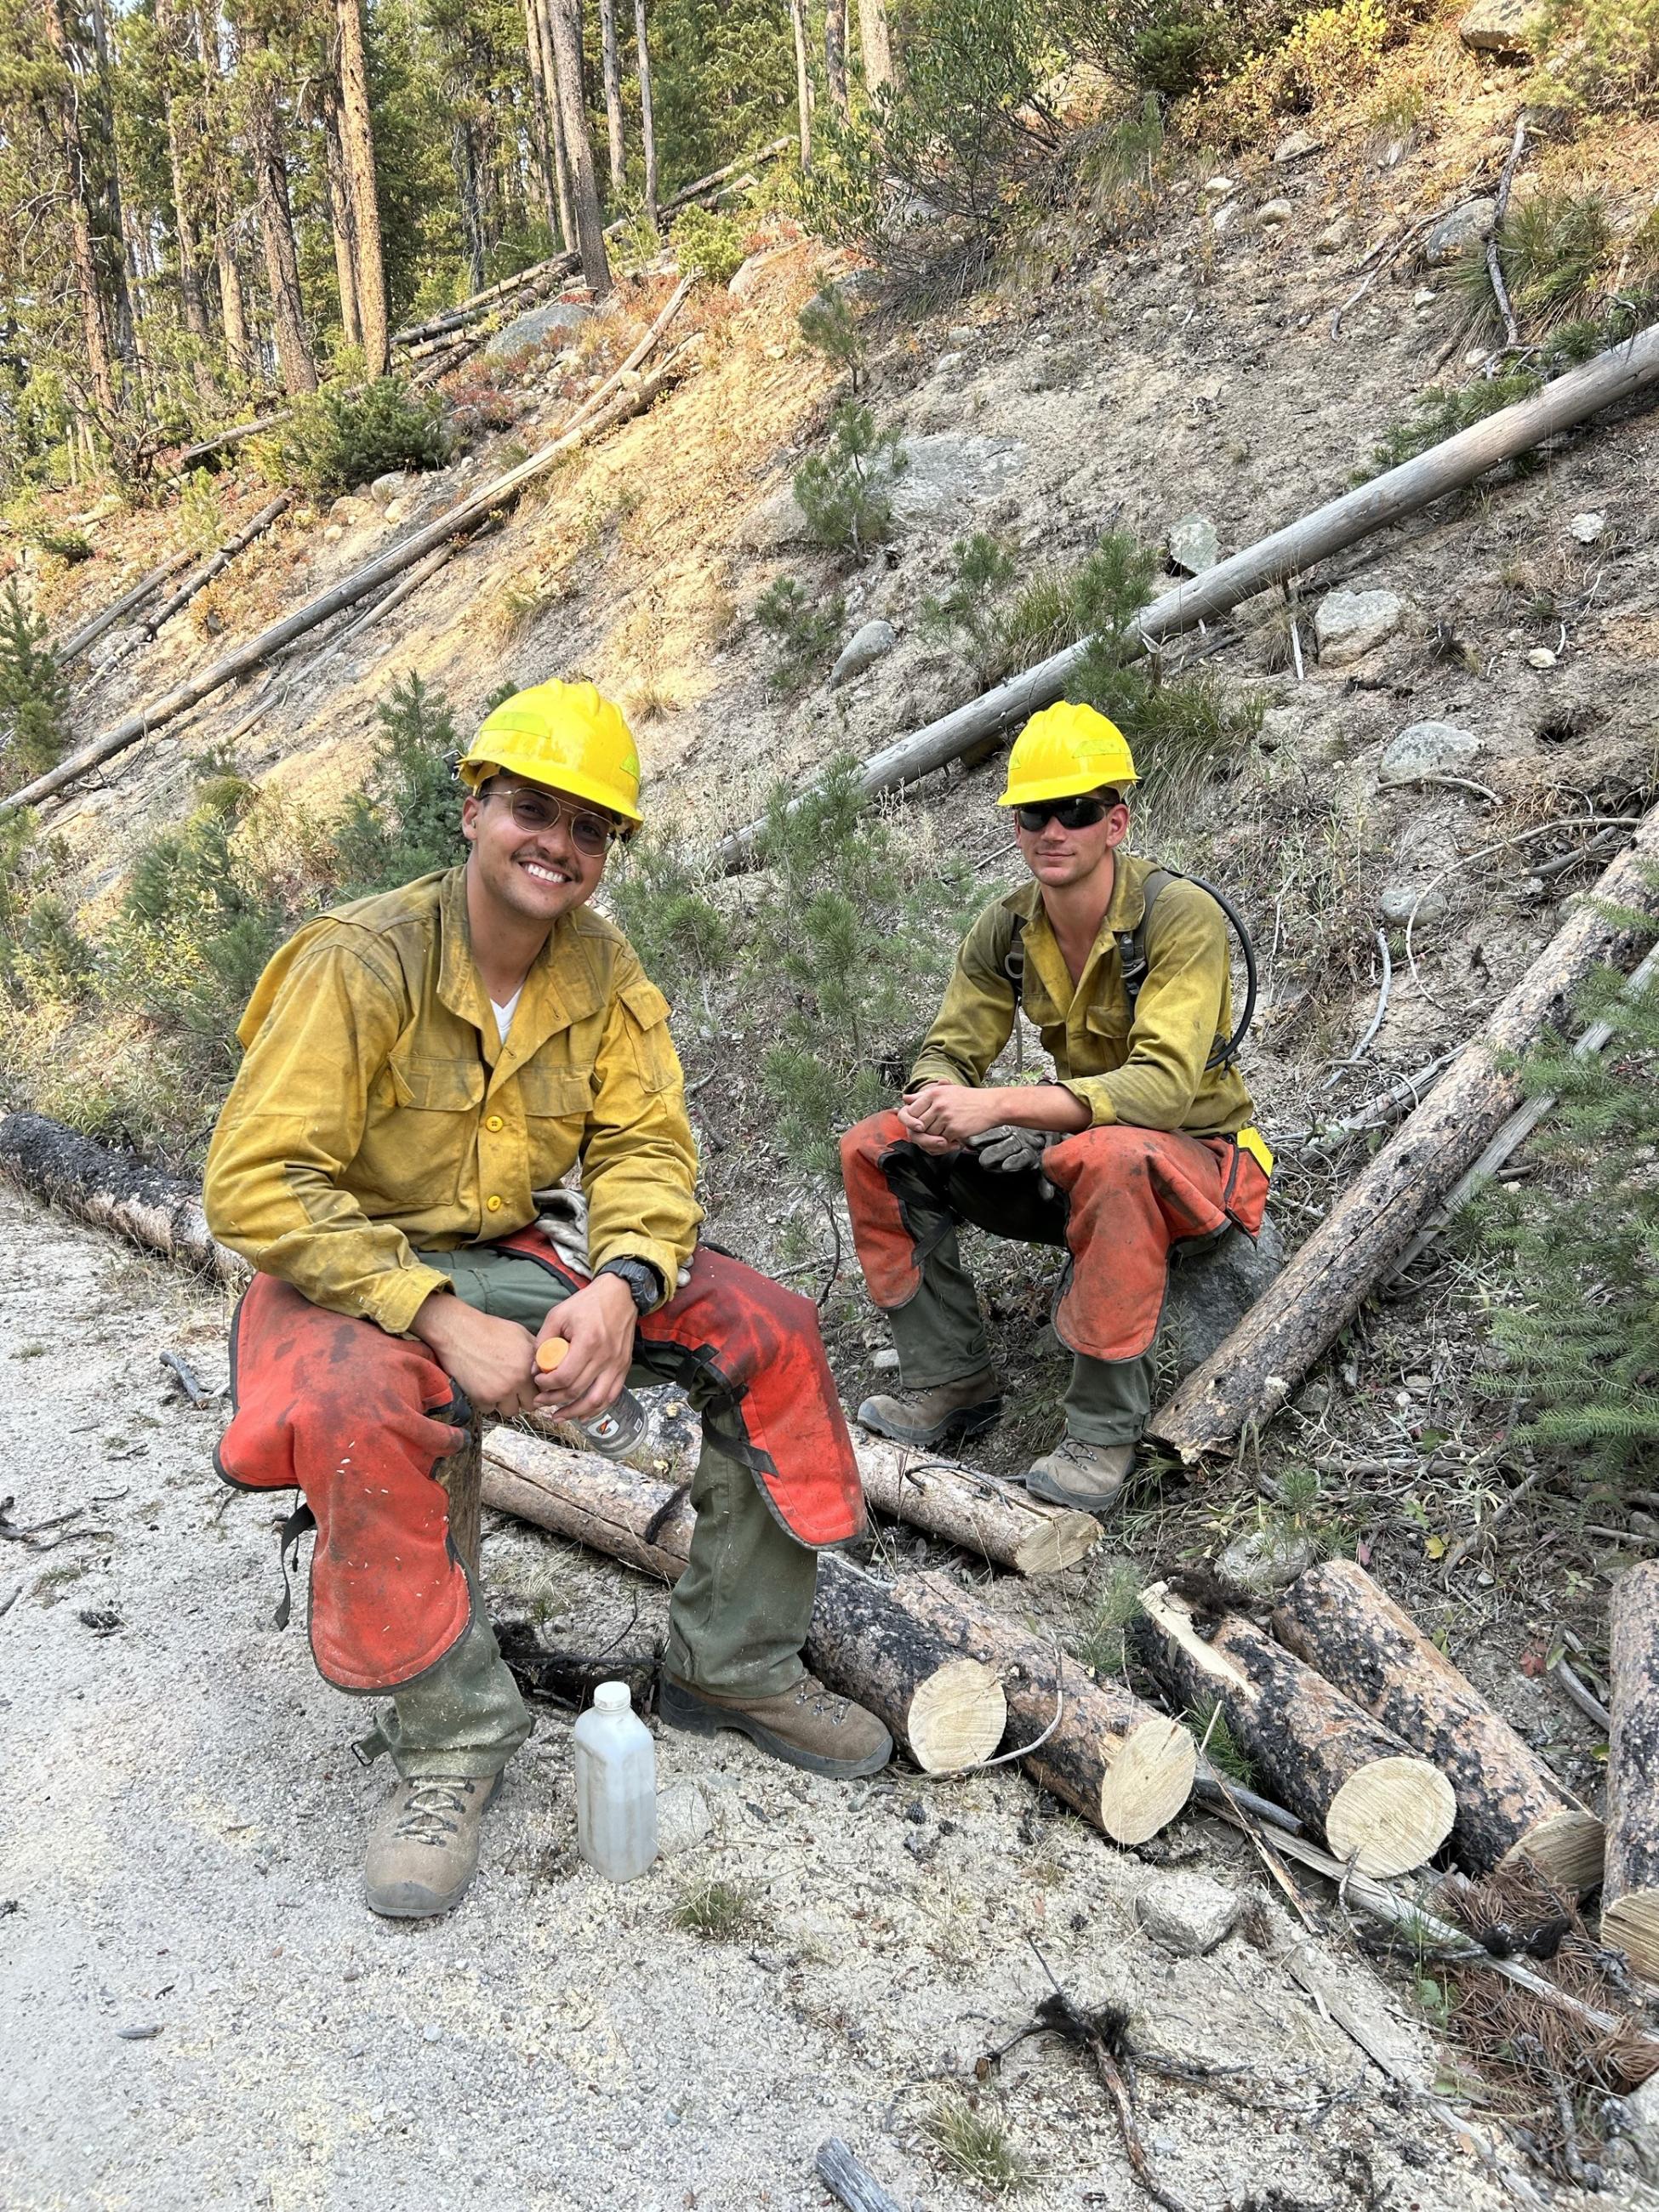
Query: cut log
[1629,1897]
[463,516]
[1613,376]
[994,1520]
[94,628]
[1252,1374]
[216,562]
[461,1476]
[1509,1806]
[849,2181]
[1330,1762]
[158,1211]
[1123,1766]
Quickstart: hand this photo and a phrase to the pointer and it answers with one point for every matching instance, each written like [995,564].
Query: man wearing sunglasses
[1139,1143]
[423,1069]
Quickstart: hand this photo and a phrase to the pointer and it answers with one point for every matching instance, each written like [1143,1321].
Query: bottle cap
[612,1697]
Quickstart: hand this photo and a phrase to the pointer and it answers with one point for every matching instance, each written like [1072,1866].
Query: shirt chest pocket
[436,1086]
[556,1102]
[1107,1025]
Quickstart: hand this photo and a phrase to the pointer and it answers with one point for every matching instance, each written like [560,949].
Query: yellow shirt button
[493,1123]
[493,1203]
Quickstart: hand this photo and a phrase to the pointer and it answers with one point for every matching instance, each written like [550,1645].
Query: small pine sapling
[845,493]
[803,635]
[33,693]
[827,323]
[406,821]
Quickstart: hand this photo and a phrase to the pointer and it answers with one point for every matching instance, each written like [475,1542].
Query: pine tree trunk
[803,84]
[541,120]
[555,124]
[466,181]
[336,210]
[876,47]
[565,19]
[100,114]
[187,239]
[233,309]
[648,122]
[357,144]
[277,231]
[613,106]
[834,52]
[65,128]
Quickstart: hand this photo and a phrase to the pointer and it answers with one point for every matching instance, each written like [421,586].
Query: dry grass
[977,2145]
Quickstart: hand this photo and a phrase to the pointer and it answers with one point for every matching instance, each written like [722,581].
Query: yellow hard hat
[1063,750]
[566,736]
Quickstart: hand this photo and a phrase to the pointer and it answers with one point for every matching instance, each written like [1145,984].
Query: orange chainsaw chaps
[881,1236]
[353,1419]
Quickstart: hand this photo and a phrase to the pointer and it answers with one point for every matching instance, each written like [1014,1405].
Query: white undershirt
[504,1014]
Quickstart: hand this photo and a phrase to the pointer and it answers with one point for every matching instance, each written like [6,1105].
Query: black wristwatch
[644,1283]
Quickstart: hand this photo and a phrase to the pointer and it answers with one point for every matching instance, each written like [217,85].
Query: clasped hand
[495,1360]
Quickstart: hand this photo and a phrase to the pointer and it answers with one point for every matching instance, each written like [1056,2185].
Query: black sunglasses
[1079,813]
[537,810]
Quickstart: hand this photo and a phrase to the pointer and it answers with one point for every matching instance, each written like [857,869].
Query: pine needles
[34,695]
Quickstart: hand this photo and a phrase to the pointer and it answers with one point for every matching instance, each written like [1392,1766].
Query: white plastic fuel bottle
[616,1786]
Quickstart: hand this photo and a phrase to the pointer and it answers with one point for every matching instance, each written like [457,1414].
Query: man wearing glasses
[422,1069]
[1138,1143]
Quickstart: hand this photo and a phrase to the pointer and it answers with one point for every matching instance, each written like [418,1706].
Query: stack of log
[1365,1730]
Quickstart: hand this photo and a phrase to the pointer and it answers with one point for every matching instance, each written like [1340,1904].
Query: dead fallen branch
[217,564]
[1566,401]
[1104,2036]
[1630,1900]
[849,2181]
[1249,1377]
[114,1190]
[458,520]
[94,628]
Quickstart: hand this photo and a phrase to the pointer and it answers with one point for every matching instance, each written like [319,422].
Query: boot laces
[812,1692]
[433,1810]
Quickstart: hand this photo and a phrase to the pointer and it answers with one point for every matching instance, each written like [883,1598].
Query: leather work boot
[808,1726]
[928,1417]
[424,1850]
[1088,1477]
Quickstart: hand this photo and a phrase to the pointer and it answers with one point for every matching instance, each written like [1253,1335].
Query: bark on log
[1250,1375]
[1330,1762]
[159,1213]
[461,1478]
[455,520]
[1125,1767]
[849,2181]
[1006,1526]
[1509,1806]
[1629,1897]
[217,564]
[1613,376]
[94,628]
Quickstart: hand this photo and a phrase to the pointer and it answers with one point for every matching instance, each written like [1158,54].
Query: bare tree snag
[275,215]
[217,563]
[458,519]
[1630,1896]
[992,1519]
[875,45]
[610,67]
[1509,1806]
[1613,376]
[647,116]
[357,145]
[803,85]
[1330,1762]
[564,19]
[835,54]
[541,119]
[1324,1284]
[159,1213]
[95,625]
[1123,1766]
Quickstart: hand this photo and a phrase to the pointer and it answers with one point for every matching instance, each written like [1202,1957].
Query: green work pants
[739,1612]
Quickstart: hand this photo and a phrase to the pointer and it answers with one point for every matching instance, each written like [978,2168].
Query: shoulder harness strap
[1132,943]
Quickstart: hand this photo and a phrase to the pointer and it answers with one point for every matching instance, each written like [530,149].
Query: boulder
[749,276]
[866,645]
[1399,903]
[1511,28]
[1589,528]
[1275,212]
[1219,188]
[386,488]
[683,1818]
[1347,625]
[531,328]
[1211,1291]
[1296,148]
[775,523]
[949,470]
[1265,1561]
[1334,236]
[1426,749]
[1187,1913]
[1194,545]
[1466,226]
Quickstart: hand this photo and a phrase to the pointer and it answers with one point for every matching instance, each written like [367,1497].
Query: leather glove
[1010,1150]
[561,1217]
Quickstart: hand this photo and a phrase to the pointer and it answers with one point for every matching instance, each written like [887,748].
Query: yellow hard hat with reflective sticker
[568,736]
[1065,751]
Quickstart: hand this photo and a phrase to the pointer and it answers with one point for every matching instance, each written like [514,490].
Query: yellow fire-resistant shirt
[378,1114]
[1152,1075]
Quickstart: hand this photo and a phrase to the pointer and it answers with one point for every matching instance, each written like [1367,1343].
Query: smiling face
[1061,859]
[526,876]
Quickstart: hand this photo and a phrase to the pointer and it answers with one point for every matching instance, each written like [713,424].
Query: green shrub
[827,324]
[803,635]
[1440,411]
[708,245]
[405,822]
[1182,47]
[1583,1347]
[1553,253]
[845,493]
[1608,52]
[199,521]
[658,896]
[33,693]
[334,439]
[965,615]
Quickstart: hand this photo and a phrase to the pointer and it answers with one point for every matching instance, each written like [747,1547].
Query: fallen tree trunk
[92,630]
[1325,1283]
[233,437]
[217,564]
[1566,401]
[1125,1767]
[114,1190]
[1008,1526]
[463,517]
[1509,1806]
[1330,1762]
[1629,1897]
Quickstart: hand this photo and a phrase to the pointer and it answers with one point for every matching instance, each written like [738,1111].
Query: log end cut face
[1148,1781]
[1059,1539]
[1568,1847]
[1391,1816]
[1632,1925]
[958,1717]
